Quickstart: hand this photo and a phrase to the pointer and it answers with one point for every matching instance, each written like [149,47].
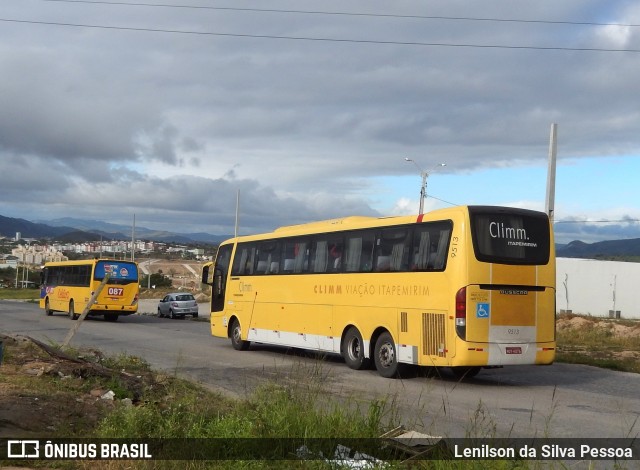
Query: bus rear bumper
[116,309]
[503,354]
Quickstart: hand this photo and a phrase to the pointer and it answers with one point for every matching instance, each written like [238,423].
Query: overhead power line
[340,13]
[317,39]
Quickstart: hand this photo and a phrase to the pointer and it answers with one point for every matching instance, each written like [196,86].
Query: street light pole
[149,273]
[423,190]
[424,175]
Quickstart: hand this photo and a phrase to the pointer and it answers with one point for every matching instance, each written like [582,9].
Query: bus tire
[385,356]
[235,333]
[353,350]
[47,308]
[111,317]
[72,311]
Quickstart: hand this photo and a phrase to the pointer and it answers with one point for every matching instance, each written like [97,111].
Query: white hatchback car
[178,304]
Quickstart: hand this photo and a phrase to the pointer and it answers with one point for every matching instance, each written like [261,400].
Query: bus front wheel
[236,337]
[353,350]
[385,356]
[47,308]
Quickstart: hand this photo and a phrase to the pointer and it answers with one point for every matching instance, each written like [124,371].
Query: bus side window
[441,252]
[52,277]
[326,255]
[430,246]
[359,251]
[393,250]
[319,257]
[244,261]
[295,256]
[85,275]
[268,258]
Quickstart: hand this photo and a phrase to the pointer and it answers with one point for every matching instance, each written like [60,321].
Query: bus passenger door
[217,292]
[220,272]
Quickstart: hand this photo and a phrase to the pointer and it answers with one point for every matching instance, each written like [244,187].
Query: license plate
[115,291]
[514,350]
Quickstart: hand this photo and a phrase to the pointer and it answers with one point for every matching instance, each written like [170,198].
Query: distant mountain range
[578,249]
[79,230]
[73,230]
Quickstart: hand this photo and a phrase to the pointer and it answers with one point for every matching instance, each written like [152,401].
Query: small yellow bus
[465,287]
[67,287]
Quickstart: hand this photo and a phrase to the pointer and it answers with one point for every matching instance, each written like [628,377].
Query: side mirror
[207,275]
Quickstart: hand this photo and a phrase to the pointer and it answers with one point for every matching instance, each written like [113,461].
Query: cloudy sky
[309,109]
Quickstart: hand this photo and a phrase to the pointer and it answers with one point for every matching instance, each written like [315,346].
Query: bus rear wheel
[235,334]
[72,312]
[385,356]
[353,350]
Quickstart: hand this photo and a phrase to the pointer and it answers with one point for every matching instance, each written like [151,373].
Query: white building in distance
[598,288]
[37,254]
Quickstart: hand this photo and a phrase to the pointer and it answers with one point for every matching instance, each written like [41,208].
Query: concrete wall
[593,287]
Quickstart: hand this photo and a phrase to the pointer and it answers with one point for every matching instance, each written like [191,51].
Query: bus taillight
[461,313]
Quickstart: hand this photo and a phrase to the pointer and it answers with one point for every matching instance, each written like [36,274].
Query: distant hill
[78,236]
[78,230]
[10,226]
[123,232]
[578,249]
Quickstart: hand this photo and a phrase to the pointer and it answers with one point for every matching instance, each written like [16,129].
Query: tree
[157,280]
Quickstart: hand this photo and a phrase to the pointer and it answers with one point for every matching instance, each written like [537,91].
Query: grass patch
[50,397]
[182,409]
[19,294]
[61,401]
[611,344]
[590,358]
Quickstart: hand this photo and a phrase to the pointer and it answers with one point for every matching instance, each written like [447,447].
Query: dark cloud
[592,231]
[170,126]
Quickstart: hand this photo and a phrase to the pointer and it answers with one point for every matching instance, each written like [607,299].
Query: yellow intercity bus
[465,287]
[67,287]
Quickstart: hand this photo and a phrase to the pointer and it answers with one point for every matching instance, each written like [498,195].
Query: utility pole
[423,185]
[133,238]
[237,213]
[551,172]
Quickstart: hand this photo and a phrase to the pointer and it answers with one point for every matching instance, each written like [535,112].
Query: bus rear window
[121,271]
[510,236]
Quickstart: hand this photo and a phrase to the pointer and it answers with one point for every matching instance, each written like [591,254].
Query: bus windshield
[510,236]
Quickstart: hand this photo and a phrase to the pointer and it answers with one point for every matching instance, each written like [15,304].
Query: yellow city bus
[67,287]
[465,287]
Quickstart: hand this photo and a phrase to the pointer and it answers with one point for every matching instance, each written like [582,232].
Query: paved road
[559,401]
